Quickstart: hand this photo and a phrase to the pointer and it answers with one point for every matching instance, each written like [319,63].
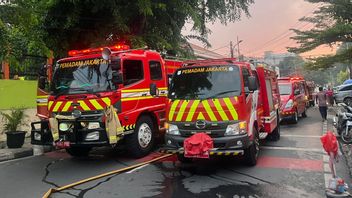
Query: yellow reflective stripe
[227,153]
[182,110]
[172,109]
[140,90]
[41,104]
[57,106]
[200,116]
[209,110]
[39,97]
[67,105]
[231,108]
[236,98]
[134,90]
[55,136]
[95,104]
[219,153]
[192,110]
[137,98]
[107,101]
[50,104]
[220,110]
[83,105]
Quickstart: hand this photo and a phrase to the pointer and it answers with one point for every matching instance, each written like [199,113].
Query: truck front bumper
[41,135]
[229,145]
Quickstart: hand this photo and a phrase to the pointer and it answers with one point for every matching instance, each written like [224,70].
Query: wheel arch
[152,116]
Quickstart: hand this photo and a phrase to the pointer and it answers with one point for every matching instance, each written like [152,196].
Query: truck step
[263,135]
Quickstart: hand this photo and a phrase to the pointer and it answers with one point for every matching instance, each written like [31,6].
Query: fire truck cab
[84,85]
[294,98]
[233,102]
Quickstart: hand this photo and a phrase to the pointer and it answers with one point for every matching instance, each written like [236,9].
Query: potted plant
[14,138]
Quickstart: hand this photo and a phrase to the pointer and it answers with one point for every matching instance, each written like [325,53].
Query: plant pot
[15,139]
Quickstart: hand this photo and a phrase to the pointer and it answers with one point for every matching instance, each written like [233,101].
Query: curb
[26,151]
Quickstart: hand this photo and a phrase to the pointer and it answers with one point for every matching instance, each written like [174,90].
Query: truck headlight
[172,129]
[64,126]
[289,104]
[37,136]
[93,125]
[92,136]
[236,129]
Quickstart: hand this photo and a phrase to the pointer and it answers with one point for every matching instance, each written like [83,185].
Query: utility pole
[238,48]
[231,49]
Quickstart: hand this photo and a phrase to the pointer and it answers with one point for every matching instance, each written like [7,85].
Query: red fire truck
[294,98]
[84,85]
[234,103]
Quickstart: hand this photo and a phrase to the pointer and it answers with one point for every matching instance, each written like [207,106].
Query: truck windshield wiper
[221,93]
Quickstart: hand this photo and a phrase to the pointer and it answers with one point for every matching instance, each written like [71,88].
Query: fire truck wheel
[78,151]
[141,142]
[304,114]
[252,152]
[295,118]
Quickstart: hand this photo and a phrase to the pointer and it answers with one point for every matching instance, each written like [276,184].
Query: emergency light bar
[97,50]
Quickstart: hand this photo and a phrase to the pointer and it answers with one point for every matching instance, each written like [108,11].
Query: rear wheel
[78,151]
[347,138]
[348,101]
[275,135]
[252,152]
[295,118]
[141,142]
[304,114]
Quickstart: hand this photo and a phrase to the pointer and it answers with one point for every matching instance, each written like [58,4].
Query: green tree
[333,25]
[342,76]
[78,24]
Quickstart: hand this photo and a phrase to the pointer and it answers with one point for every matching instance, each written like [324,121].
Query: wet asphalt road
[291,167]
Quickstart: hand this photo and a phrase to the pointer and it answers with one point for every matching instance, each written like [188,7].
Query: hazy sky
[267,29]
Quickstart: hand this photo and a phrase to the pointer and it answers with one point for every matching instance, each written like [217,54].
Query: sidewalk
[25,151]
[346,149]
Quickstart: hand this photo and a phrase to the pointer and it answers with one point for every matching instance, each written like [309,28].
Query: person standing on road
[321,101]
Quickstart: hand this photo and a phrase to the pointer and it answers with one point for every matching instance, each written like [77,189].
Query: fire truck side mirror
[252,84]
[117,77]
[106,53]
[153,89]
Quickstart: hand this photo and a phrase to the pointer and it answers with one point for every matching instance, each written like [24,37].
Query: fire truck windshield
[85,76]
[205,82]
[285,89]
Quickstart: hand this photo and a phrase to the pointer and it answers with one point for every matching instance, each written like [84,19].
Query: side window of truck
[155,70]
[132,71]
[245,74]
[256,79]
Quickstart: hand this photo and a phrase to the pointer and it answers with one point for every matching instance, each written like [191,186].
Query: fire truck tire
[78,151]
[295,118]
[252,152]
[140,143]
[304,114]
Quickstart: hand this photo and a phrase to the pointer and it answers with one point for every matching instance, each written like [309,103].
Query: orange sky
[266,30]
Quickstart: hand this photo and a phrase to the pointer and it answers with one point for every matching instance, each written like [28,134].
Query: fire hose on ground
[54,190]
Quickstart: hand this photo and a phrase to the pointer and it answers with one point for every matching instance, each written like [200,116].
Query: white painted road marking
[292,148]
[302,136]
[131,171]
